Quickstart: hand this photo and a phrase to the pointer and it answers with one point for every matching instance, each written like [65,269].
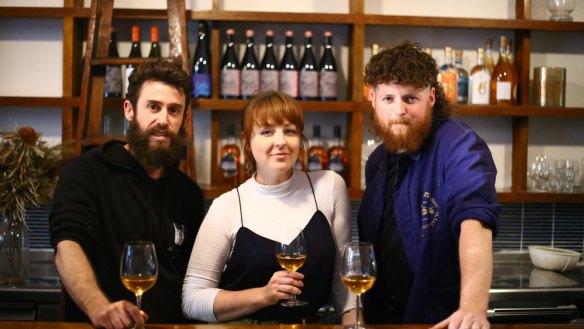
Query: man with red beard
[120,192]
[430,205]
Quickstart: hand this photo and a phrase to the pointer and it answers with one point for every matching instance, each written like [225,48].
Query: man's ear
[128,110]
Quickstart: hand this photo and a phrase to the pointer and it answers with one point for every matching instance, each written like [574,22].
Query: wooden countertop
[70,325]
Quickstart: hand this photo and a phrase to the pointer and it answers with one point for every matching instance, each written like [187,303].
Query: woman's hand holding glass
[291,256]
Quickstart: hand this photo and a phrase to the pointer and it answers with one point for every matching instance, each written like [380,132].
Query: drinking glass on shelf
[358,271]
[291,255]
[541,172]
[139,268]
[565,174]
[561,9]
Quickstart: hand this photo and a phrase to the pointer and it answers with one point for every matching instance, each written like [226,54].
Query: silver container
[549,86]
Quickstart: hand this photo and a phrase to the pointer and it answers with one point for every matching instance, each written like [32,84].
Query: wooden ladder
[93,75]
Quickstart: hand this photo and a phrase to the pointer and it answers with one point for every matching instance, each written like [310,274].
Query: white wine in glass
[358,271]
[291,256]
[139,268]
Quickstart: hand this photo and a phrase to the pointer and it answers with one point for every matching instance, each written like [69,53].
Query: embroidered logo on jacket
[179,234]
[430,212]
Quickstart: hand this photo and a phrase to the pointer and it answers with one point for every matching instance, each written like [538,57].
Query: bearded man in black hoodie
[120,192]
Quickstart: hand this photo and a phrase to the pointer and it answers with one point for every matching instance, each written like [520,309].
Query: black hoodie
[103,199]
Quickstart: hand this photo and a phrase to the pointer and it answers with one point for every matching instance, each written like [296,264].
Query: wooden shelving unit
[74,16]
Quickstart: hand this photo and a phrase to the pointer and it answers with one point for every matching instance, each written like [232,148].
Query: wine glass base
[561,18]
[293,303]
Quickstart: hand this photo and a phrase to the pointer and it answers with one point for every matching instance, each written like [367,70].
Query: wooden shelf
[355,109]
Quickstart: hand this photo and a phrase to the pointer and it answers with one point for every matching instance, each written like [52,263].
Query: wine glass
[291,255]
[139,268]
[358,271]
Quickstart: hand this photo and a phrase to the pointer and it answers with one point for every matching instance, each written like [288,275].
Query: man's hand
[464,320]
[118,315]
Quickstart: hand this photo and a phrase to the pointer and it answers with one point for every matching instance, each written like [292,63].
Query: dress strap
[240,212]
[312,188]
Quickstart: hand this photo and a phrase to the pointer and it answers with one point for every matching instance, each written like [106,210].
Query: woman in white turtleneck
[233,274]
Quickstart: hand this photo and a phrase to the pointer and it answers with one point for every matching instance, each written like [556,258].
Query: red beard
[408,141]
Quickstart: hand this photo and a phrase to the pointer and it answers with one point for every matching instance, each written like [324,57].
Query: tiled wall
[560,225]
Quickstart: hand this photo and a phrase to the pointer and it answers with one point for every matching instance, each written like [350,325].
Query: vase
[14,251]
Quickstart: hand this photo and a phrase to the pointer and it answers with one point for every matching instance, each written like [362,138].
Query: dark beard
[409,142]
[155,156]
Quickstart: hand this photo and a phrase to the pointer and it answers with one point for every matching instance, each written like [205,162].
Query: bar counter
[71,325]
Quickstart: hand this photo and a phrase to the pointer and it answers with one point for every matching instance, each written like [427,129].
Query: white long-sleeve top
[265,210]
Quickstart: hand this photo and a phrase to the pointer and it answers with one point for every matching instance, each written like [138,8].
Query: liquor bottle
[374,51]
[154,43]
[230,69]
[327,78]
[135,52]
[509,53]
[229,158]
[447,76]
[113,73]
[461,78]
[317,158]
[338,155]
[479,81]
[489,62]
[250,69]
[503,79]
[308,76]
[269,68]
[202,64]
[289,68]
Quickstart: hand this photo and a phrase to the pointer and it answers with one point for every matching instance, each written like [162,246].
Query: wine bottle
[202,64]
[338,155]
[489,62]
[461,78]
[289,68]
[308,76]
[317,158]
[250,69]
[269,67]
[327,78]
[135,52]
[479,81]
[113,73]
[447,76]
[230,157]
[509,53]
[230,69]
[154,43]
[503,79]
[374,51]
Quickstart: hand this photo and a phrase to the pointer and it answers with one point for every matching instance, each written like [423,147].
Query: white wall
[31,63]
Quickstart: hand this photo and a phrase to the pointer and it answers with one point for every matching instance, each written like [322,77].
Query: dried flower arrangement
[29,168]
[28,173]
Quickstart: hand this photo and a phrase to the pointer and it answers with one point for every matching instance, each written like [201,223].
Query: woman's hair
[408,64]
[269,108]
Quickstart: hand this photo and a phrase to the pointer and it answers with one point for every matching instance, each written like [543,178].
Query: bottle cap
[270,33]
[230,31]
[248,33]
[289,33]
[154,33]
[135,34]
[328,34]
[308,34]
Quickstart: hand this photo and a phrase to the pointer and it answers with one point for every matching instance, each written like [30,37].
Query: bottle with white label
[250,68]
[327,79]
[503,79]
[269,67]
[308,77]
[479,81]
[289,68]
[230,83]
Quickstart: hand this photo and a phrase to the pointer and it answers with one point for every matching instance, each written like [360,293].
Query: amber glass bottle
[503,79]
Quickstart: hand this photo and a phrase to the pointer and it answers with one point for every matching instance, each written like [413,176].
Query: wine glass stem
[357,326]
[139,301]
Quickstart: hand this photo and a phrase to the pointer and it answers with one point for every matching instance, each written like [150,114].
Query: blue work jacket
[450,179]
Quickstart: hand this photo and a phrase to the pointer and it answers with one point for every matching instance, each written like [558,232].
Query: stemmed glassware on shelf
[561,9]
[291,255]
[358,271]
[139,268]
[541,172]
